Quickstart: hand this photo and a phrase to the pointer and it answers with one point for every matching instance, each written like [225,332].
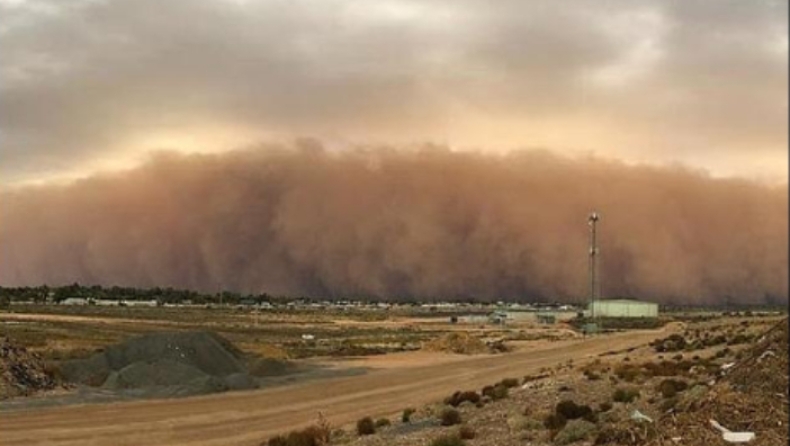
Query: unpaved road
[247,418]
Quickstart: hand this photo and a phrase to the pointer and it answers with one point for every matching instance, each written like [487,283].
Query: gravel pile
[181,363]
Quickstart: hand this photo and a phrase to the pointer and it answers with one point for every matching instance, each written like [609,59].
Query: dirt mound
[751,396]
[195,362]
[21,372]
[458,342]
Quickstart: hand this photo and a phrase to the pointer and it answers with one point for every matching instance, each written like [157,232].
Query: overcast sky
[87,85]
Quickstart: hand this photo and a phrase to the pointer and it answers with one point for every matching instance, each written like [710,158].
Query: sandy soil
[28,317]
[246,418]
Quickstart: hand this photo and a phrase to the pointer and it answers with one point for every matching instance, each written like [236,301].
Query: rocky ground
[734,372]
[21,373]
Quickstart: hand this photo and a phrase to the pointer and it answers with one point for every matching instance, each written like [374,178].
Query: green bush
[407,413]
[366,426]
[450,417]
[625,395]
[448,440]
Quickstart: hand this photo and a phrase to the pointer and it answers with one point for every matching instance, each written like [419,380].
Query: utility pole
[592,220]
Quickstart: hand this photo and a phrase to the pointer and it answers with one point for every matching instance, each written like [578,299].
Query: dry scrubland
[467,384]
[731,370]
[60,332]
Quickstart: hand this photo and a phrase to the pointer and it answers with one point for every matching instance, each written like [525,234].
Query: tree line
[167,295]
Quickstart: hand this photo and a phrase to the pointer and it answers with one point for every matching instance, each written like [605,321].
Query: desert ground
[391,382]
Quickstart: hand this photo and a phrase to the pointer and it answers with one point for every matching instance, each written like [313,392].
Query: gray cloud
[693,81]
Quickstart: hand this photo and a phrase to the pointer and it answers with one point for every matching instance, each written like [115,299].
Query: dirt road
[246,418]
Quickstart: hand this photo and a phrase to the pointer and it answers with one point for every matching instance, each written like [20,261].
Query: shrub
[407,413]
[496,392]
[626,434]
[500,392]
[717,340]
[663,368]
[467,433]
[520,423]
[668,404]
[450,417]
[366,426]
[591,375]
[571,411]
[606,406]
[575,430]
[672,343]
[311,436]
[723,352]
[627,372]
[625,394]
[382,422]
[554,421]
[459,397]
[671,387]
[448,440]
[509,382]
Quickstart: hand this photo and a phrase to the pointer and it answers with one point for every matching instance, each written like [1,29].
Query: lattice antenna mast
[592,221]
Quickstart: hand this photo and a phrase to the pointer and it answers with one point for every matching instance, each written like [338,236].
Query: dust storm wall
[428,224]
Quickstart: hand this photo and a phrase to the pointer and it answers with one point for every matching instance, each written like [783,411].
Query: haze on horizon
[396,148]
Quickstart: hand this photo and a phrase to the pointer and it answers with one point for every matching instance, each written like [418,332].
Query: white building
[622,307]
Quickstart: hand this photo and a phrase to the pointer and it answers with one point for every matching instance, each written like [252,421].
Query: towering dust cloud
[430,224]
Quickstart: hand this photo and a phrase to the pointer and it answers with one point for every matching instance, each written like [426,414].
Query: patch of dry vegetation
[594,404]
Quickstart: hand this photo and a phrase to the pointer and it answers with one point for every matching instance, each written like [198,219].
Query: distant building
[519,315]
[497,317]
[474,319]
[622,307]
[141,303]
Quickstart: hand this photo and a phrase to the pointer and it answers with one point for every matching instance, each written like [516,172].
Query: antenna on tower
[592,221]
